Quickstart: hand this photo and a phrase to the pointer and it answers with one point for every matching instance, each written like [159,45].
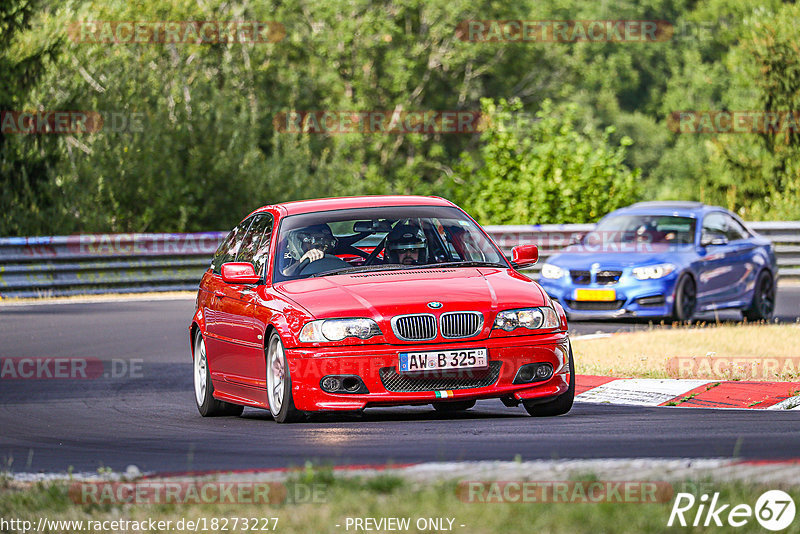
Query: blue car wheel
[685,299]
[763,305]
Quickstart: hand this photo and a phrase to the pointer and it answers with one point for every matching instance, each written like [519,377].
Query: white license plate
[446,359]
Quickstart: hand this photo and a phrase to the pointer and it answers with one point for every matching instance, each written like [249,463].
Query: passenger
[406,245]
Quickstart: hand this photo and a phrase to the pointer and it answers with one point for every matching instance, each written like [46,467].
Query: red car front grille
[414,327]
[461,324]
[440,380]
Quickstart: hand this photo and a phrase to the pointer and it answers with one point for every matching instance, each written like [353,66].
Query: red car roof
[324,204]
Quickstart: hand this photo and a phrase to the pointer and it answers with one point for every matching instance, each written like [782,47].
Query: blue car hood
[615,260]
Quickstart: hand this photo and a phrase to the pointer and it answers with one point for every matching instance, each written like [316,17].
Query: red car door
[241,344]
[218,311]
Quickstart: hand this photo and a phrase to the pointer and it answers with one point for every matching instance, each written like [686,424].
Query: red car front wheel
[279,383]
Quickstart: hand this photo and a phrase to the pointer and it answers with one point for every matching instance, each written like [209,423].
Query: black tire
[207,405]
[685,302]
[455,406]
[561,404]
[763,305]
[286,412]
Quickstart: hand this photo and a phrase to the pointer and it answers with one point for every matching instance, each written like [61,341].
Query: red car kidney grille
[417,327]
[461,324]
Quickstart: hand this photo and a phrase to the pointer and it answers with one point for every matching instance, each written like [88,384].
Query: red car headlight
[338,329]
[529,318]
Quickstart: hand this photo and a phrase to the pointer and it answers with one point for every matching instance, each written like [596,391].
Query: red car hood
[383,294]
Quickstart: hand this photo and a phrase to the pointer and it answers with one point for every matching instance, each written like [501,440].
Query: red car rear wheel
[207,405]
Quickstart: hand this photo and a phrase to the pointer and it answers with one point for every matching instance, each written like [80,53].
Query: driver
[406,245]
[309,243]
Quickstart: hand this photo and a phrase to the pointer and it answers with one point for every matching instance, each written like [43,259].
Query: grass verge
[386,496]
[729,352]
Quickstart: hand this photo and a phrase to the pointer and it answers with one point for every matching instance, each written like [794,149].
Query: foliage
[543,170]
[199,149]
[26,162]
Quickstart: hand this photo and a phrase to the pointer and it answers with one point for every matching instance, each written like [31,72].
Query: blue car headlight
[653,272]
[553,272]
[530,318]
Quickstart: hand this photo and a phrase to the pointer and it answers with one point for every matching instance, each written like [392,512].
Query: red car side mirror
[524,255]
[239,273]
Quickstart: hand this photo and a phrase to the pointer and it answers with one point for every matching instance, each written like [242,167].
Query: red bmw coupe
[344,303]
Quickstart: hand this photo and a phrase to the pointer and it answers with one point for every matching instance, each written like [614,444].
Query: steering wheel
[328,262]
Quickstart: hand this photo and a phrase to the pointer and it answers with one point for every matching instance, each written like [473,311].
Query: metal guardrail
[103,263]
[550,238]
[122,263]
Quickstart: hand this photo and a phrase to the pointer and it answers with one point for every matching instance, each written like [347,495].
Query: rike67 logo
[774,510]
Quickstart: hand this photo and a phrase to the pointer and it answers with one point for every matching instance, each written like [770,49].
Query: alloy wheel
[767,299]
[200,371]
[275,375]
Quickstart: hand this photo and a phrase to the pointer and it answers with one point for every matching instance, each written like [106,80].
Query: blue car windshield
[660,229]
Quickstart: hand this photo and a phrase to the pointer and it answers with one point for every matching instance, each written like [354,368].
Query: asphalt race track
[146,416]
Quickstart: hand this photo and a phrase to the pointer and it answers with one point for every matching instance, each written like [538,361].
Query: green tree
[27,199]
[544,170]
[765,167]
[756,67]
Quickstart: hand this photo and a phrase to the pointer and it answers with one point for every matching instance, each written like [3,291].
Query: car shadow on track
[396,414]
[487,412]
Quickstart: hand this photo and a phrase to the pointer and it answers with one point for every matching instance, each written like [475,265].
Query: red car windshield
[378,238]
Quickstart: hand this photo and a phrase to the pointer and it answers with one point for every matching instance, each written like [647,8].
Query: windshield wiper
[461,264]
[361,268]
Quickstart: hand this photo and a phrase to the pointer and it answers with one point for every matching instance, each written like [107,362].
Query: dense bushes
[573,129]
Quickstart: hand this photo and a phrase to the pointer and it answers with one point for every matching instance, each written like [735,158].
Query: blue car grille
[604,278]
[608,278]
[591,305]
[581,277]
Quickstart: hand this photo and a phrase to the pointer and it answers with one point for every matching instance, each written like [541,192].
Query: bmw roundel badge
[435,305]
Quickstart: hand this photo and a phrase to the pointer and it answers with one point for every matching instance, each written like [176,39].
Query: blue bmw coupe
[664,260]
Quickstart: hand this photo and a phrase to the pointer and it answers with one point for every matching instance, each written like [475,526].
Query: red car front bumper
[309,366]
